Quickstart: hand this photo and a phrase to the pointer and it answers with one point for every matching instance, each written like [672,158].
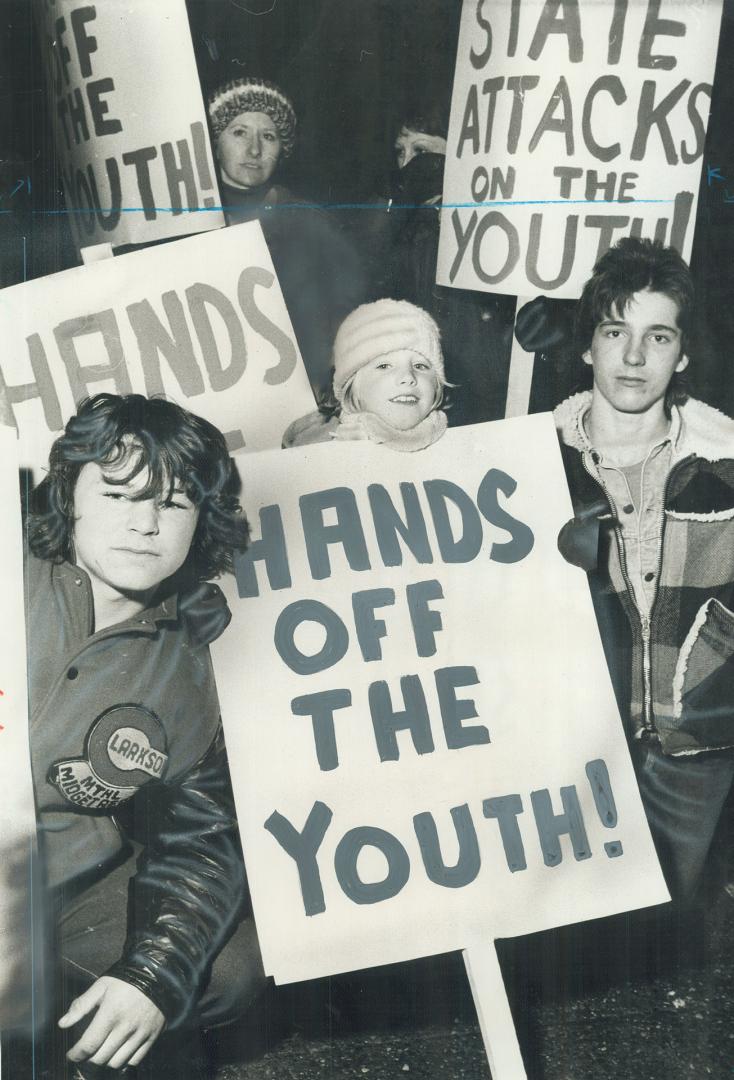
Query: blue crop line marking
[364,206]
[130,210]
[480,205]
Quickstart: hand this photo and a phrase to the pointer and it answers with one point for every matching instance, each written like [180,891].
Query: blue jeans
[683,799]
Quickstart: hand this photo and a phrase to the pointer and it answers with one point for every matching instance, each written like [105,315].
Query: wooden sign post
[493,1012]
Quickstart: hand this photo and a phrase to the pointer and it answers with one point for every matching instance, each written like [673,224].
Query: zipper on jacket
[646,671]
[646,619]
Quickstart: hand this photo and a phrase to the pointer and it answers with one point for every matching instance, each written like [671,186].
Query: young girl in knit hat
[388,381]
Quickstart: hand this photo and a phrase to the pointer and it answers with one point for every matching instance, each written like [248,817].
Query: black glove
[420,180]
[541,324]
[578,540]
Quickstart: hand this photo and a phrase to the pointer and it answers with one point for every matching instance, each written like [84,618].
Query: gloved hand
[578,540]
[542,323]
[420,180]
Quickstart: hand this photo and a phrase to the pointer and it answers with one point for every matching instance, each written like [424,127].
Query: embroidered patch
[125,748]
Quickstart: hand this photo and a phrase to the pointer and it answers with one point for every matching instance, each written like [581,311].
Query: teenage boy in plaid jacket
[651,474]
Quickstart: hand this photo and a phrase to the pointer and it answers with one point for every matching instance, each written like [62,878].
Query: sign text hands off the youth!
[134,162]
[347,531]
[424,743]
[573,123]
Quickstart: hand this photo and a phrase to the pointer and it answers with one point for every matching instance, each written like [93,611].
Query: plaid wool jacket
[673,672]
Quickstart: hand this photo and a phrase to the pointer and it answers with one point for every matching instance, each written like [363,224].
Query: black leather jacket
[189,887]
[125,725]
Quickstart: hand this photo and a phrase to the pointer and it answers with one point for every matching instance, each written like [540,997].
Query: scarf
[365,425]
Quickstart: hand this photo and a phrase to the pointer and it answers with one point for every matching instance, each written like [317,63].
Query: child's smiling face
[400,387]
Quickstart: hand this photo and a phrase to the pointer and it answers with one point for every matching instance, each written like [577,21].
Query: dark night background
[350,67]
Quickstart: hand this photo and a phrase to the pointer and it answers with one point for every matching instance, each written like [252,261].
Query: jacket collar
[202,606]
[697,429]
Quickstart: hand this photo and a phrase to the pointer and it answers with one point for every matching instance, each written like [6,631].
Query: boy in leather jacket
[137,512]
[651,474]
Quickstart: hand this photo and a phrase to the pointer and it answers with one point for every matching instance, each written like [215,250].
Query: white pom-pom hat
[383,327]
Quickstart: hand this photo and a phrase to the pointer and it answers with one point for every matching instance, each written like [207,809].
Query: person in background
[253,125]
[137,828]
[400,243]
[651,474]
[388,381]
[476,328]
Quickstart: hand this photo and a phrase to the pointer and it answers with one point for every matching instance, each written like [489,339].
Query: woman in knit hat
[388,381]
[253,125]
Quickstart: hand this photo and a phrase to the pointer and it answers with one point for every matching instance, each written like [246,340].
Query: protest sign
[573,123]
[202,320]
[423,738]
[134,154]
[20,940]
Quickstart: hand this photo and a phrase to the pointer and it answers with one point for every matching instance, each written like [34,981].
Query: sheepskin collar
[703,431]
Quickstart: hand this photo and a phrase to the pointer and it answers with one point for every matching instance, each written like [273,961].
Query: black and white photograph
[367,463]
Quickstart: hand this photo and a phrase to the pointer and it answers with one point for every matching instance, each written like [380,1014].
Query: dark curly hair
[175,447]
[633,265]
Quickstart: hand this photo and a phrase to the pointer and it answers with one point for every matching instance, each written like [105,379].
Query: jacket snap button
[72,673]
[628,508]
[649,575]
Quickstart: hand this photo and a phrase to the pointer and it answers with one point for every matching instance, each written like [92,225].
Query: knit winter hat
[383,327]
[253,95]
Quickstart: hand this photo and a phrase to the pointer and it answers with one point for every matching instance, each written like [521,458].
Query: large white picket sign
[129,120]
[202,320]
[424,742]
[20,942]
[572,124]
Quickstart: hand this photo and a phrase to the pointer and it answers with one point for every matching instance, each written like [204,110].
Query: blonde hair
[349,400]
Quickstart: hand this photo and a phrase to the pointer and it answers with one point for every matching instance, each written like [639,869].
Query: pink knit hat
[383,327]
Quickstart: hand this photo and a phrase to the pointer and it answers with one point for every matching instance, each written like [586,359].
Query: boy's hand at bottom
[123,1029]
